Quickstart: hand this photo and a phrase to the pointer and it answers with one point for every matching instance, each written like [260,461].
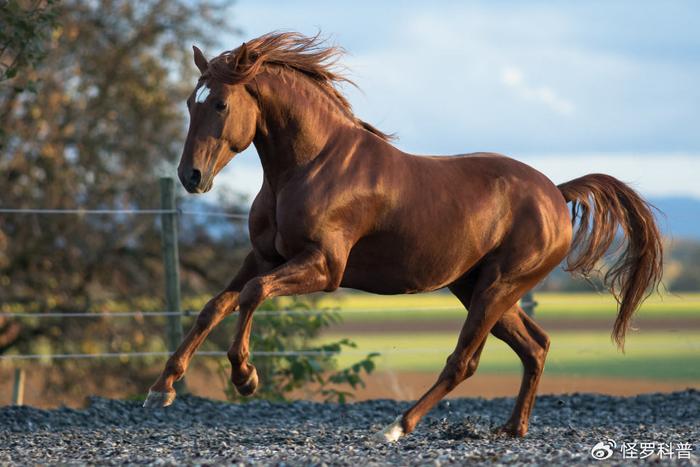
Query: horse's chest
[276,241]
[282,247]
[281,227]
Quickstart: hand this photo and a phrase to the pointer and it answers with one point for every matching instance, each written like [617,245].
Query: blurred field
[441,305]
[658,356]
[663,346]
[416,333]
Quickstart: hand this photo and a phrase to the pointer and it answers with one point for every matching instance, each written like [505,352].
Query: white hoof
[159,399]
[391,433]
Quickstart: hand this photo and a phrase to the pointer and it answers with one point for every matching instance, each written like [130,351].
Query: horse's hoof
[250,385]
[510,430]
[159,399]
[391,433]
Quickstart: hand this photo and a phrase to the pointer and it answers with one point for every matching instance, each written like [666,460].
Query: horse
[340,206]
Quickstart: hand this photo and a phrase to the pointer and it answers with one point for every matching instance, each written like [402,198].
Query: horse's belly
[386,265]
[379,282]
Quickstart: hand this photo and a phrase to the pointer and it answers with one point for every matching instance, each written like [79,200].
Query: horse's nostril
[195,178]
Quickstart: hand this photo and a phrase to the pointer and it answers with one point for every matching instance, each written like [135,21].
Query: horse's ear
[200,60]
[243,57]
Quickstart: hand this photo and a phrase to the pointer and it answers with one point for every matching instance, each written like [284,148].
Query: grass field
[441,305]
[649,355]
[656,355]
[578,350]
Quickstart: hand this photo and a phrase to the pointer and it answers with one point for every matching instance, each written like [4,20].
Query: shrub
[288,357]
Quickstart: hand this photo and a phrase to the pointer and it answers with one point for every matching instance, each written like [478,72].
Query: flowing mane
[292,51]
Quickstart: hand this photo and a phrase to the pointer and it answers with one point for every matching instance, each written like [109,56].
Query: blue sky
[569,87]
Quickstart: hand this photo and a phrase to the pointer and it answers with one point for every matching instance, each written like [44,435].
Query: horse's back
[451,212]
[483,178]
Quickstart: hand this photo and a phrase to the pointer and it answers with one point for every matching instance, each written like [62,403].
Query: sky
[567,87]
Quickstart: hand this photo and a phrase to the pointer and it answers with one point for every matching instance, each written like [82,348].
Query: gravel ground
[201,431]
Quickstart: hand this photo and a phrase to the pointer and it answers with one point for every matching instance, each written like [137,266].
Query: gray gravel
[201,431]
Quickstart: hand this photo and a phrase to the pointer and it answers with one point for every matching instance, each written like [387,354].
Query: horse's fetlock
[237,358]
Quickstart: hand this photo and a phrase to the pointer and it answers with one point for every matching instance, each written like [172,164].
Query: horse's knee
[215,309]
[252,294]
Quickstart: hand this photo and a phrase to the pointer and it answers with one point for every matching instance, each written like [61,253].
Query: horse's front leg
[309,271]
[161,393]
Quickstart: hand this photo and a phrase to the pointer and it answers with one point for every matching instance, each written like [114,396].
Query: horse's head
[222,123]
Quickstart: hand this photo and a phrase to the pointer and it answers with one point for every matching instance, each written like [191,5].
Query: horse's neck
[298,121]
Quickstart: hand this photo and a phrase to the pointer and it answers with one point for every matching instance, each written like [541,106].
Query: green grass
[656,355]
[440,305]
[649,355]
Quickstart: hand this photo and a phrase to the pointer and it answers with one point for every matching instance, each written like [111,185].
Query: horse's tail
[603,204]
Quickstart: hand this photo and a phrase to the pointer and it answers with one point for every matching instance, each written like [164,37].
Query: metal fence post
[18,387]
[528,303]
[171,263]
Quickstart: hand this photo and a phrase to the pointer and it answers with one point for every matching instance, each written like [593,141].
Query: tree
[103,118]
[24,33]
[93,124]
[683,266]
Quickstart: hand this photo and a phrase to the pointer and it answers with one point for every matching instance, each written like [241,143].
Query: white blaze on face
[202,94]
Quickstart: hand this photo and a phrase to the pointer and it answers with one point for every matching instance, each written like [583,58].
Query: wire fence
[217,353]
[172,313]
[168,211]
[187,313]
[192,313]
[80,211]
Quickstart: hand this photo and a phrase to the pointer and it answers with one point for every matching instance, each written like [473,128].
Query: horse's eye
[220,106]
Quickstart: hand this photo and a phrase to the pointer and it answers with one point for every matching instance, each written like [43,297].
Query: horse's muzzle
[193,182]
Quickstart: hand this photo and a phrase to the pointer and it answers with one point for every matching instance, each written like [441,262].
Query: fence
[174,314]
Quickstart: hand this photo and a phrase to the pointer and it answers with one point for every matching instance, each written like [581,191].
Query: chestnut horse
[341,207]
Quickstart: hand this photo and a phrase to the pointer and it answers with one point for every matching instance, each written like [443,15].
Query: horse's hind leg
[398,428]
[531,344]
[492,297]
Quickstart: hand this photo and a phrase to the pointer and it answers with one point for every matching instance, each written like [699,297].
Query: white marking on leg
[202,94]
[159,399]
[391,433]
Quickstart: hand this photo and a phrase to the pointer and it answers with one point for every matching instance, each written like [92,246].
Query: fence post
[171,266]
[18,387]
[528,303]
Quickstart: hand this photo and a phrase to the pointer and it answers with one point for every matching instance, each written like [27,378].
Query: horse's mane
[293,51]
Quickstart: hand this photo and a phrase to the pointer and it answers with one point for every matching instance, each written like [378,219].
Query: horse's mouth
[207,187]
[201,189]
